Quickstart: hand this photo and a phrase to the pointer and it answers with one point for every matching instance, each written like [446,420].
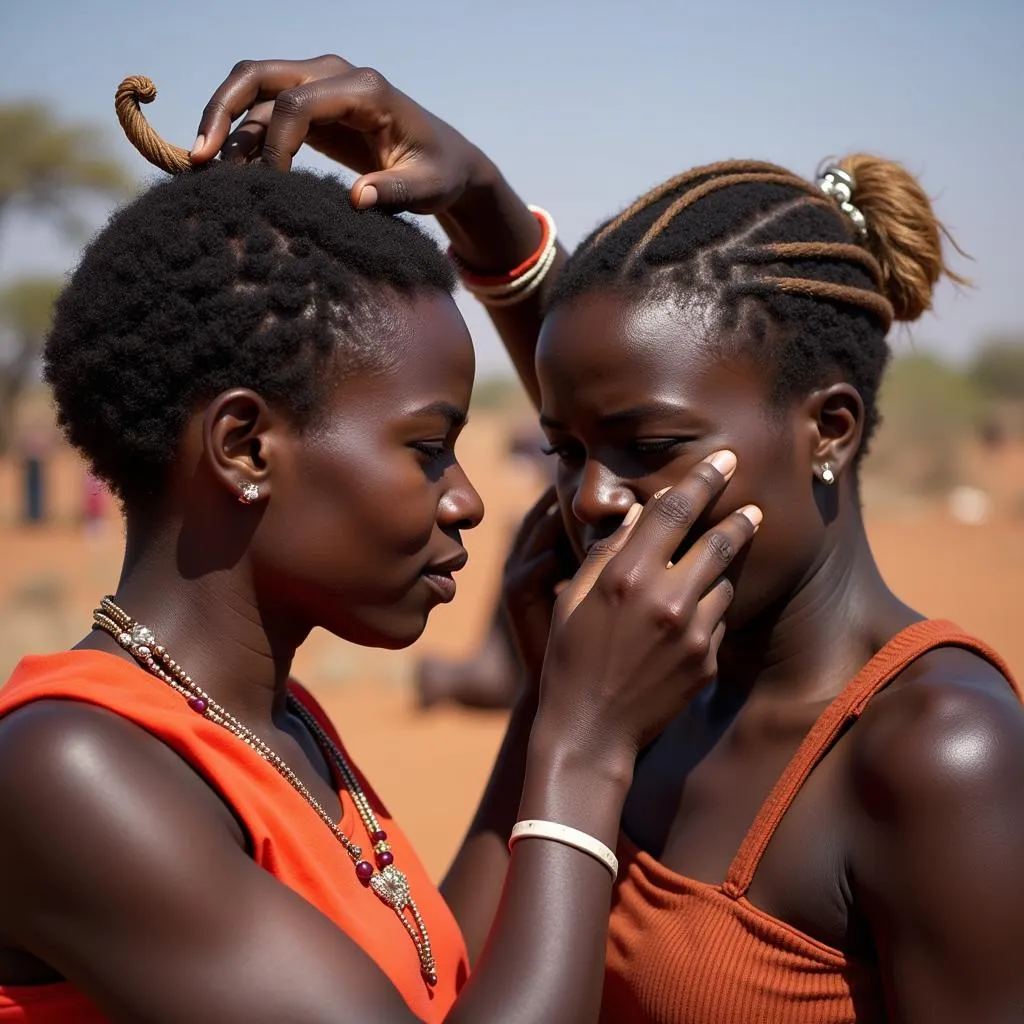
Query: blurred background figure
[33,445]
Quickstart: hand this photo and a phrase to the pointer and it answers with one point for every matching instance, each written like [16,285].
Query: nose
[601,497]
[461,507]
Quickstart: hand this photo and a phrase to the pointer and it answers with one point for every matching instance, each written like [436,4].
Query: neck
[209,620]
[808,646]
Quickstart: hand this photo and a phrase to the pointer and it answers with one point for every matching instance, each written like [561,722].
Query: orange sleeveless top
[687,952]
[288,838]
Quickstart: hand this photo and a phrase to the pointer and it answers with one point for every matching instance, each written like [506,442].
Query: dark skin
[919,892]
[158,885]
[932,892]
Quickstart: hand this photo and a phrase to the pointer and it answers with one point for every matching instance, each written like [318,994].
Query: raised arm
[408,159]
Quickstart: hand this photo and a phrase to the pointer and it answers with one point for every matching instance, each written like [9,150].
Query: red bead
[364,871]
[380,836]
[198,705]
[385,858]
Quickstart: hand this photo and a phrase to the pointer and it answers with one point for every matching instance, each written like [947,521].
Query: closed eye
[659,445]
[433,450]
[566,451]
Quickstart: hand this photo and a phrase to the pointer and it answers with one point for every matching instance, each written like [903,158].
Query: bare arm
[539,562]
[121,869]
[135,885]
[492,229]
[940,843]
[473,885]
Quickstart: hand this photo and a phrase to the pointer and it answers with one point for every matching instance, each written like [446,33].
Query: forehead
[426,356]
[606,352]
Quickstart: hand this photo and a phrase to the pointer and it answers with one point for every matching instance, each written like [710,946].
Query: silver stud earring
[827,476]
[249,492]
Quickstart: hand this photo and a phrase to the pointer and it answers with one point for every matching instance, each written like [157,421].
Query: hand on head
[407,158]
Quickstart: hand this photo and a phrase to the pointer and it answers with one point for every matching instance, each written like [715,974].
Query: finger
[547,535]
[358,99]
[538,575]
[671,513]
[714,552]
[597,558]
[707,628]
[246,141]
[251,81]
[413,188]
[541,509]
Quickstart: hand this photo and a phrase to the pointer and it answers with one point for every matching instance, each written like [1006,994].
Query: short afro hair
[229,277]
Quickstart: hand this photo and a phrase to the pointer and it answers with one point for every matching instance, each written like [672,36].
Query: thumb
[600,555]
[410,189]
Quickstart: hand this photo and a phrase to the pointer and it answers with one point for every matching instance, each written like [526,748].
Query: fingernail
[724,462]
[633,514]
[198,144]
[658,494]
[754,514]
[367,198]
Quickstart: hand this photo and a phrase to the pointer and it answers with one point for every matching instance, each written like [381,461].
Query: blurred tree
[998,369]
[47,168]
[26,310]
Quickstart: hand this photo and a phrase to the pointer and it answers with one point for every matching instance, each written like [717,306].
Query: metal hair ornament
[838,184]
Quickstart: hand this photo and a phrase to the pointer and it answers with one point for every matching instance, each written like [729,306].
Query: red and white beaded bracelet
[520,282]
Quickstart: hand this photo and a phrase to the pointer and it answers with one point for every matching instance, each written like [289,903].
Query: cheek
[359,511]
[791,533]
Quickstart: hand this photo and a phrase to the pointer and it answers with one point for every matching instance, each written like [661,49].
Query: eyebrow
[452,413]
[624,416]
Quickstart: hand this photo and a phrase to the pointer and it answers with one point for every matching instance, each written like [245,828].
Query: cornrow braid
[782,262]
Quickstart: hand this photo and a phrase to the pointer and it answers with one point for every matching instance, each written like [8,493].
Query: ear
[835,416]
[241,436]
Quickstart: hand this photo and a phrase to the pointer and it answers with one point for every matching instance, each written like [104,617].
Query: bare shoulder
[69,768]
[950,730]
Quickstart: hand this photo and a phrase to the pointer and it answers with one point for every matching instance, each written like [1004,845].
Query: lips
[442,584]
[440,575]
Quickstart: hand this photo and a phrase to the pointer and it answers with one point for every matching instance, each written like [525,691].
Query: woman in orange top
[273,383]
[832,831]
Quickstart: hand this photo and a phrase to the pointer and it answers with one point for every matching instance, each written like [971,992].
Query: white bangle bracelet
[582,841]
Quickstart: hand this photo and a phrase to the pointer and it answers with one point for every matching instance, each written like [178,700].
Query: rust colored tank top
[287,838]
[687,952]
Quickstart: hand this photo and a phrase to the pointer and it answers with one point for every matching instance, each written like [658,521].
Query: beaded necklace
[387,881]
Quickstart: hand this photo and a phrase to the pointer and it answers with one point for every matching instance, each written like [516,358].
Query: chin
[390,632]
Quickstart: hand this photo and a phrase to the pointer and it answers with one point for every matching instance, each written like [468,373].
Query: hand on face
[635,637]
[408,158]
[541,561]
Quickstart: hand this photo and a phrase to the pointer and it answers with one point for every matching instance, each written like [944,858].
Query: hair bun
[903,233]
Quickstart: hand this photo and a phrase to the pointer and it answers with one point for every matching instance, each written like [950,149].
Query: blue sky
[585,105]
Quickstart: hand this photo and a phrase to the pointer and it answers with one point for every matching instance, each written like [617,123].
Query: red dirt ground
[430,767]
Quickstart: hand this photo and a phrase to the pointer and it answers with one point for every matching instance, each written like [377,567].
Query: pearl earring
[827,476]
[250,492]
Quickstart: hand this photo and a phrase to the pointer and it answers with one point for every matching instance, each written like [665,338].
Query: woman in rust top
[832,829]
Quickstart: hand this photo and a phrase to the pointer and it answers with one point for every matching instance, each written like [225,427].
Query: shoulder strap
[901,651]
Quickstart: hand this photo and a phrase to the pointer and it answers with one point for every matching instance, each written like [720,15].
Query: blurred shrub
[998,369]
[928,409]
